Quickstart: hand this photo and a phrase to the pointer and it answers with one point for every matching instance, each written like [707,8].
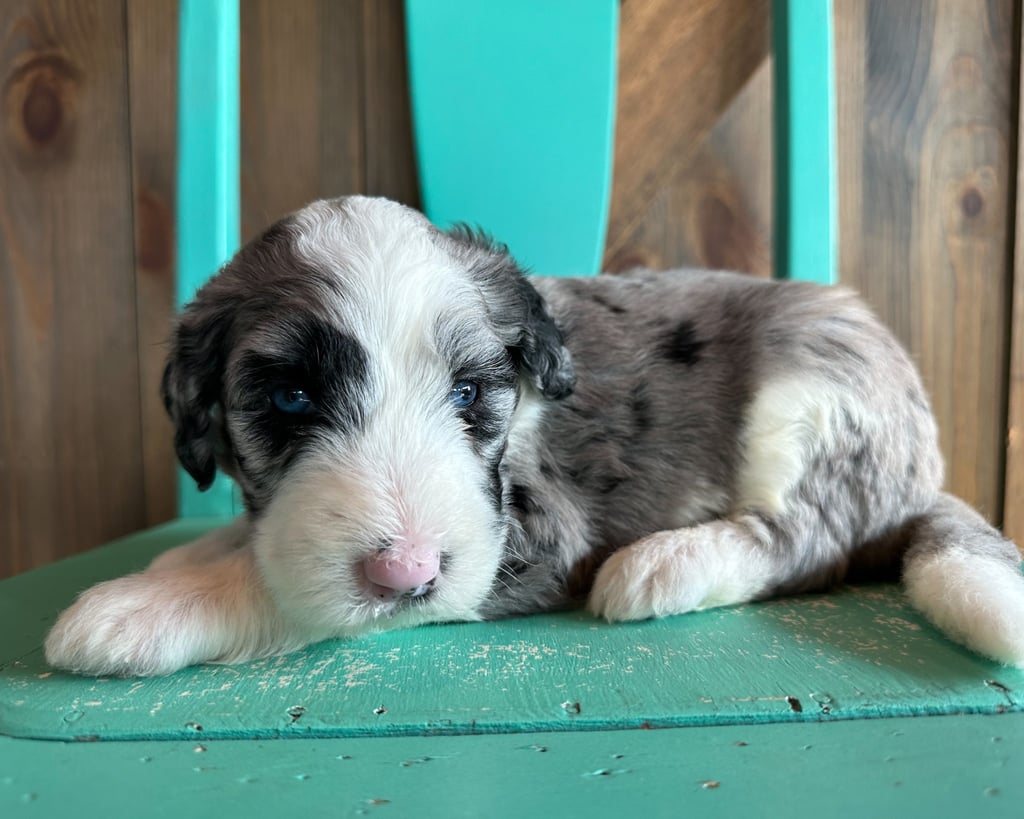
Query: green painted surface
[935,767]
[806,219]
[855,654]
[208,183]
[514,110]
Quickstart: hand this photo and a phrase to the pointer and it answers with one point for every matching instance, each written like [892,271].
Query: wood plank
[302,98]
[680,66]
[71,466]
[930,157]
[152,75]
[852,654]
[1013,498]
[390,158]
[715,210]
[966,765]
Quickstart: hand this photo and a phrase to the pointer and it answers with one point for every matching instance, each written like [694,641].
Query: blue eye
[293,401]
[463,394]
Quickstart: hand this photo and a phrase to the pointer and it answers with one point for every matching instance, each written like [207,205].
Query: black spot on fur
[682,345]
[582,412]
[515,568]
[329,366]
[495,485]
[860,460]
[640,405]
[522,500]
[485,423]
[610,485]
[601,301]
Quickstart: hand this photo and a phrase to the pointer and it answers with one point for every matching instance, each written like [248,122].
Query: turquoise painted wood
[860,653]
[952,766]
[806,221]
[514,112]
[208,185]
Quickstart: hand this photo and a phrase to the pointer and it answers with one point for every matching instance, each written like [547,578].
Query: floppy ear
[191,389]
[518,312]
[541,347]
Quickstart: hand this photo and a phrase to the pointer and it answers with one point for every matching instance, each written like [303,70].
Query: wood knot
[972,202]
[155,232]
[42,113]
[39,108]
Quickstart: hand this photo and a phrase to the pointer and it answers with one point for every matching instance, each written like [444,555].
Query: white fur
[681,570]
[788,420]
[311,540]
[301,579]
[205,549]
[976,601]
[158,621]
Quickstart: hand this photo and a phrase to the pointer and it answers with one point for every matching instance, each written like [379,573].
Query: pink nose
[399,571]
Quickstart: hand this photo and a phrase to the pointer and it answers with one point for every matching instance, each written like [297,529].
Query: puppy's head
[357,372]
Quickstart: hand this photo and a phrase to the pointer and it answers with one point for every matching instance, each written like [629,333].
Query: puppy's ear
[191,388]
[541,348]
[518,312]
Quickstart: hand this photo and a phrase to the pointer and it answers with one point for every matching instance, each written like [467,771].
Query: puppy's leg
[209,547]
[160,620]
[681,570]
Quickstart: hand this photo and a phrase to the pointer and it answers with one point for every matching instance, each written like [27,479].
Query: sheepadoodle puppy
[422,433]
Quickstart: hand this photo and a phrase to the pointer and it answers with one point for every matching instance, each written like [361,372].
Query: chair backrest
[514,132]
[805,217]
[514,125]
[208,180]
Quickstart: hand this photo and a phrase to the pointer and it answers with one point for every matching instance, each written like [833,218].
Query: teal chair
[766,709]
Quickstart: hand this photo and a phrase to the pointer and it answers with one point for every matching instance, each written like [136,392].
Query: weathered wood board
[855,654]
[941,766]
[69,366]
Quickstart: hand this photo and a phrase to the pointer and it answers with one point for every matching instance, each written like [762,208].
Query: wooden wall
[928,122]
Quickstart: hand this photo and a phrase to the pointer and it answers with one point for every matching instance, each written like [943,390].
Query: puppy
[423,434]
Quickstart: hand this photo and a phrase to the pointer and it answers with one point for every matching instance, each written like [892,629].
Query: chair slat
[208,181]
[806,233]
[514,110]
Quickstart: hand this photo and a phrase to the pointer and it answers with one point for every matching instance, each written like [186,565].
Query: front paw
[662,574]
[139,625]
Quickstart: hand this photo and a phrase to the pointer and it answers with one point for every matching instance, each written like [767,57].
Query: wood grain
[715,209]
[390,158]
[1013,497]
[71,466]
[681,64]
[152,28]
[302,105]
[924,169]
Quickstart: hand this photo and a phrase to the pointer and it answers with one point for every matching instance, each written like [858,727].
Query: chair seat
[860,652]
[523,715]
